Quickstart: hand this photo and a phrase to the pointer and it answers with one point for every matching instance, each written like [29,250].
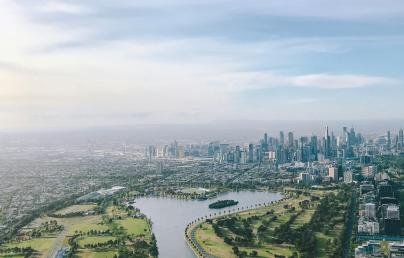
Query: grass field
[212,243]
[94,240]
[96,254]
[264,246]
[115,220]
[76,208]
[42,245]
[216,246]
[114,211]
[134,226]
[85,224]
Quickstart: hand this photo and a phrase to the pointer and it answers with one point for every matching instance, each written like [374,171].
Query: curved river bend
[170,217]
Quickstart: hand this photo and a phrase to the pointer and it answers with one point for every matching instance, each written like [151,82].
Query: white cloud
[63,7]
[182,80]
[242,81]
[330,81]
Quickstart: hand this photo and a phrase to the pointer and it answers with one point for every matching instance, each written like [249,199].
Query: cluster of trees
[323,220]
[241,228]
[26,251]
[47,227]
[109,243]
[222,204]
[93,232]
[142,249]
[68,215]
[242,254]
[284,233]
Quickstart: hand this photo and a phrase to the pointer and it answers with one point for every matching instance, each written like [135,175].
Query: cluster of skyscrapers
[287,148]
[284,150]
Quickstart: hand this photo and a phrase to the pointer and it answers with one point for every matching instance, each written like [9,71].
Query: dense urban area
[342,194]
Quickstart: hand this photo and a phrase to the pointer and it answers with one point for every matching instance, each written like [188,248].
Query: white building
[393,212]
[370,210]
[333,173]
[348,177]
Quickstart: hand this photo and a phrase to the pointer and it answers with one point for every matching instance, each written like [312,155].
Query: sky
[81,63]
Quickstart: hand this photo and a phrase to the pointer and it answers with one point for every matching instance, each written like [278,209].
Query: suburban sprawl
[337,195]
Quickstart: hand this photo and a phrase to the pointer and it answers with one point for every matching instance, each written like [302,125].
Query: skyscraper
[313,147]
[251,153]
[388,140]
[281,138]
[265,143]
[327,143]
[290,139]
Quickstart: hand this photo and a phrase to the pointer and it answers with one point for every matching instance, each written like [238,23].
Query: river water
[170,217]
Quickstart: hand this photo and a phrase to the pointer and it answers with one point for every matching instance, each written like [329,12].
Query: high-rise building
[370,210]
[251,153]
[264,143]
[345,134]
[393,212]
[281,138]
[369,171]
[290,139]
[348,177]
[400,139]
[327,143]
[313,147]
[333,173]
[388,140]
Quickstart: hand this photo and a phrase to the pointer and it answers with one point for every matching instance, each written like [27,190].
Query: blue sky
[89,63]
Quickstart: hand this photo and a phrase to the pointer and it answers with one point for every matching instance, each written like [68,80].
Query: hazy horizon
[241,131]
[67,64]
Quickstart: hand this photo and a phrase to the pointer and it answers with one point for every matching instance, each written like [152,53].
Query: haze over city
[88,63]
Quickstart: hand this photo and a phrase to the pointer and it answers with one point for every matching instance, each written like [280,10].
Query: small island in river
[222,204]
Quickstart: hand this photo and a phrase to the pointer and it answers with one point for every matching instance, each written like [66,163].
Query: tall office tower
[313,147]
[237,155]
[165,151]
[400,139]
[327,143]
[281,138]
[351,137]
[265,143]
[388,140]
[333,173]
[345,134]
[258,153]
[251,153]
[290,139]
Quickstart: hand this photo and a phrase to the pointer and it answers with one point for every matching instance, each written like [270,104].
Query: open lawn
[85,224]
[93,254]
[215,245]
[49,245]
[114,211]
[76,208]
[42,245]
[263,243]
[212,243]
[134,226]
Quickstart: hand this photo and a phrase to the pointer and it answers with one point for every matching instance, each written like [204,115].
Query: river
[170,217]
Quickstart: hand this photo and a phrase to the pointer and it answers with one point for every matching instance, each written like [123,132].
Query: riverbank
[278,229]
[191,229]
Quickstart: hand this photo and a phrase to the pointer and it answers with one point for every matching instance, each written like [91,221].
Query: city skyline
[86,63]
